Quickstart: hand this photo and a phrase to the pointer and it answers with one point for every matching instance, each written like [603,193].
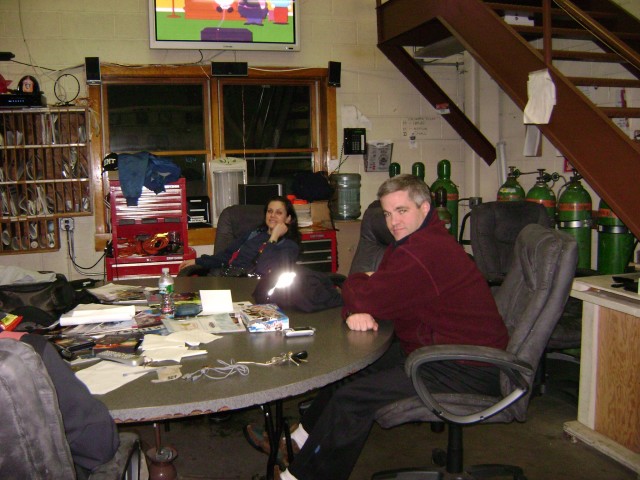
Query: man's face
[403,216]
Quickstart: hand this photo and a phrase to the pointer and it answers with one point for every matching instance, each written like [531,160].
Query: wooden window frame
[323,104]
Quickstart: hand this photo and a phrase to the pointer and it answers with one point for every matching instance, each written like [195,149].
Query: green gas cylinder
[441,207]
[615,242]
[394,169]
[543,194]
[511,190]
[574,217]
[417,170]
[444,180]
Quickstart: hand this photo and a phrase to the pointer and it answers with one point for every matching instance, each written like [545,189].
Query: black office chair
[234,221]
[530,299]
[374,239]
[494,227]
[32,434]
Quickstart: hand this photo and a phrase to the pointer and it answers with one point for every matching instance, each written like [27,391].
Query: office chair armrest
[505,361]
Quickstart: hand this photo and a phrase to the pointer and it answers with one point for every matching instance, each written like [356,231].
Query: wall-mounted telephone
[355,141]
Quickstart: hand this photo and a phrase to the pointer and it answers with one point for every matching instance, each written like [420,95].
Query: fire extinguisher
[453,196]
[542,193]
[574,217]
[615,242]
[511,190]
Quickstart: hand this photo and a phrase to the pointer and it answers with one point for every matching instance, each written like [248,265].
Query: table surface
[600,291]
[334,352]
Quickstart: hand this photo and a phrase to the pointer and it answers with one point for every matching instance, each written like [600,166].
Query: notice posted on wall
[378,156]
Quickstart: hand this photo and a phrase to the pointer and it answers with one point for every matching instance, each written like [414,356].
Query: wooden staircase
[582,131]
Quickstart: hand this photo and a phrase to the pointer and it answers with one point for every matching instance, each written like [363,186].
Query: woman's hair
[293,233]
[418,190]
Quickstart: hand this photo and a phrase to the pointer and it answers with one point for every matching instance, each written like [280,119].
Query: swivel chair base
[474,472]
[408,474]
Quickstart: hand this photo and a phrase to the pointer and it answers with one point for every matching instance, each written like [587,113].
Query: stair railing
[588,23]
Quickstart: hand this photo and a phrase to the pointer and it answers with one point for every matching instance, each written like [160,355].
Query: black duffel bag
[54,298]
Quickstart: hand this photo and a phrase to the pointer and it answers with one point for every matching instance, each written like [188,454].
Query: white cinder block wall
[55,37]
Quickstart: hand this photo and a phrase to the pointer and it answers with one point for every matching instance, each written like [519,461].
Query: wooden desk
[609,398]
[334,353]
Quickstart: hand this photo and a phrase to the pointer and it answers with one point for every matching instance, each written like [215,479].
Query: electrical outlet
[66,224]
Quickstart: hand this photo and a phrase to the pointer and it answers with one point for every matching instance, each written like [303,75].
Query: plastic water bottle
[165,289]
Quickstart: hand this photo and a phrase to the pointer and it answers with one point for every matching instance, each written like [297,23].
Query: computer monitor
[258,193]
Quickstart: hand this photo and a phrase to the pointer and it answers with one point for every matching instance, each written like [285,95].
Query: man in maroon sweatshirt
[434,294]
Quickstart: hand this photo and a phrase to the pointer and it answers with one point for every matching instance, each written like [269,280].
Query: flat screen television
[225,24]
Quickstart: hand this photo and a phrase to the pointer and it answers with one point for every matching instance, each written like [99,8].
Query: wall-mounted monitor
[225,24]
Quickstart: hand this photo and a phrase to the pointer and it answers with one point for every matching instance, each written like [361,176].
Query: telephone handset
[355,141]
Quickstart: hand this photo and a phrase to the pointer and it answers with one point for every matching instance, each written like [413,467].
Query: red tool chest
[318,249]
[149,236]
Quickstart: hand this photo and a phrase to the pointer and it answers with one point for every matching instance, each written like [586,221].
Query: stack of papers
[98,313]
[161,348]
[123,294]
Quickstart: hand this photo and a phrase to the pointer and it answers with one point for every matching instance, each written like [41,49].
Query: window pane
[156,117]
[193,169]
[266,116]
[279,168]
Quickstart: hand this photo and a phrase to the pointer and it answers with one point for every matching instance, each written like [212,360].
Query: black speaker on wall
[334,73]
[229,69]
[92,70]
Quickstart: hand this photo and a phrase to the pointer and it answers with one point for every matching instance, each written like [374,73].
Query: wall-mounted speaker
[229,69]
[334,73]
[92,70]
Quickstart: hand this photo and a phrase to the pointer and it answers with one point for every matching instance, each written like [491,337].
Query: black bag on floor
[54,298]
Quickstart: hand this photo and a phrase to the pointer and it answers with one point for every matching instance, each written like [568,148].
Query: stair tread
[621,112]
[605,82]
[574,33]
[554,11]
[585,56]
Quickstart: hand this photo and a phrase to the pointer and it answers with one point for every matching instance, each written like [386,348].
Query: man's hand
[362,322]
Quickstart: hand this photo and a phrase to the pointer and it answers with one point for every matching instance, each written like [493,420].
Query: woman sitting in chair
[274,243]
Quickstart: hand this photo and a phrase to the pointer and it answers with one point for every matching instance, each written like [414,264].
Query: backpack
[312,186]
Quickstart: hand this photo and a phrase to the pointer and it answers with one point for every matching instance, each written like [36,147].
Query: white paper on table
[153,341]
[215,301]
[97,313]
[159,348]
[106,376]
[174,353]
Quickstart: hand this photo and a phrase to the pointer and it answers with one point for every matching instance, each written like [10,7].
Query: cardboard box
[320,213]
[266,317]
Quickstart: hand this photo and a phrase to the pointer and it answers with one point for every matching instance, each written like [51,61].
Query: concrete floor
[210,450]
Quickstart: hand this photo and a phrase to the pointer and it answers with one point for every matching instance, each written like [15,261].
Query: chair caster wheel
[439,457]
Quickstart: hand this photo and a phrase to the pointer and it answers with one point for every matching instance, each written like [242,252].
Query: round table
[334,352]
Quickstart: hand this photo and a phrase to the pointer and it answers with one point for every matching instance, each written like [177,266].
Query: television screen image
[224,24]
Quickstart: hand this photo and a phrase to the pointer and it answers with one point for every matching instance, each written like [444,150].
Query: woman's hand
[187,263]
[362,322]
[278,231]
